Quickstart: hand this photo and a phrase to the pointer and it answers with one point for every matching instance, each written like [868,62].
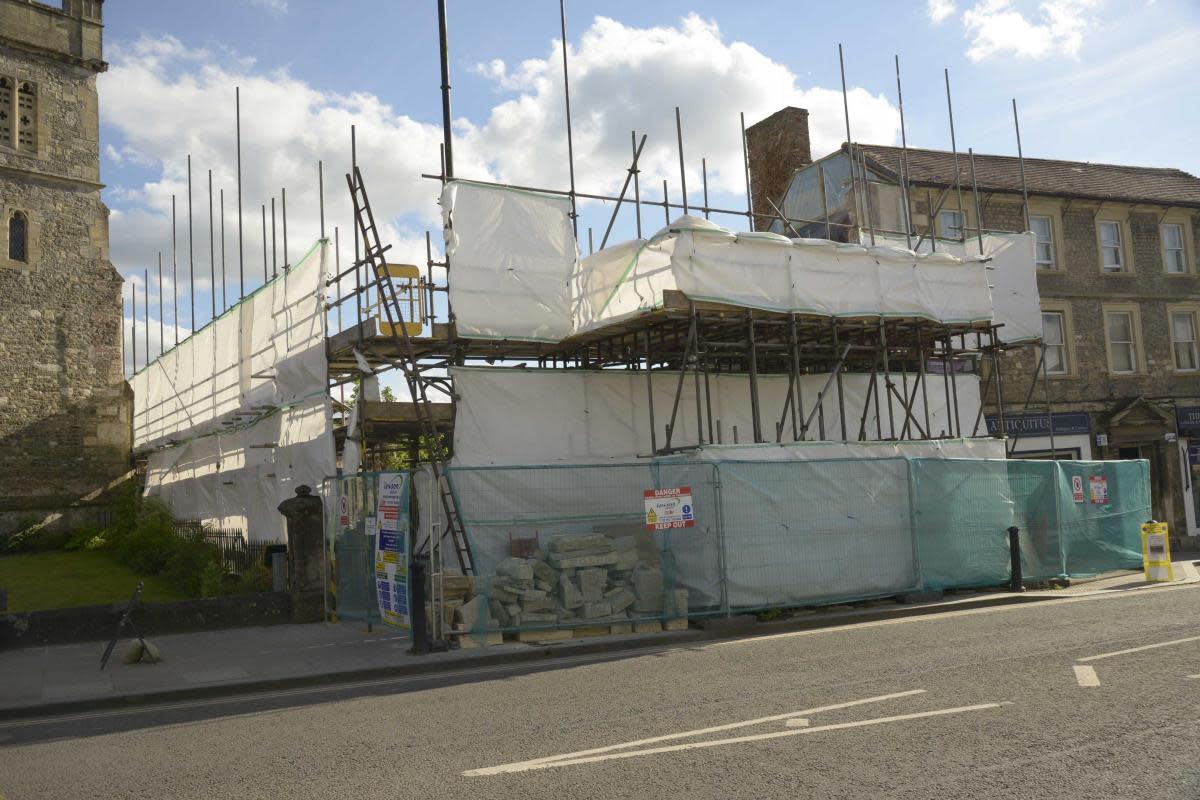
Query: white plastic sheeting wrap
[1011,274]
[240,409]
[514,416]
[518,274]
[513,254]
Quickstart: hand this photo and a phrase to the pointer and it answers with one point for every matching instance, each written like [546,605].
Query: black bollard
[1014,554]
[416,582]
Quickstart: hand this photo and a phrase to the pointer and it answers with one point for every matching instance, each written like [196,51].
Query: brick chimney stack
[777,146]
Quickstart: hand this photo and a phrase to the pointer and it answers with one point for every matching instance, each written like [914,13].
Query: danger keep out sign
[669,508]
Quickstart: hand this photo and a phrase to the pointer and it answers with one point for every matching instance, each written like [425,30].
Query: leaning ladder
[415,373]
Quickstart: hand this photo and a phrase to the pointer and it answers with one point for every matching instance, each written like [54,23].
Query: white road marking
[718,728]
[1140,649]
[526,766]
[1194,676]
[1086,676]
[797,722]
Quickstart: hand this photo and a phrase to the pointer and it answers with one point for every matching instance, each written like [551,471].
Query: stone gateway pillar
[305,534]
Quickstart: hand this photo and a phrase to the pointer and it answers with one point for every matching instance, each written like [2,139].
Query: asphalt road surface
[1080,698]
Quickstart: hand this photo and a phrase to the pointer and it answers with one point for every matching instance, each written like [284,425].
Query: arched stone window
[6,111]
[27,117]
[18,237]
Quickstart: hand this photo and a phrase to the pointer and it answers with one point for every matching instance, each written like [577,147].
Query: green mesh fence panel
[351,503]
[568,547]
[800,532]
[1103,530]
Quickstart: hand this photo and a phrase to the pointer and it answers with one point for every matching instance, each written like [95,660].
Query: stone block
[592,583]
[503,592]
[544,572]
[648,588]
[536,637]
[457,587]
[593,542]
[595,610]
[469,641]
[500,614]
[679,624]
[568,593]
[581,561]
[538,617]
[676,603]
[536,604]
[473,614]
[520,569]
[651,626]
[620,628]
[590,631]
[543,585]
[619,599]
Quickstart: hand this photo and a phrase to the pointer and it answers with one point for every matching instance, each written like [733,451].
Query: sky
[1108,81]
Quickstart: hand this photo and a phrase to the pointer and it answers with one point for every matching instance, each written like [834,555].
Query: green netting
[567,547]
[351,504]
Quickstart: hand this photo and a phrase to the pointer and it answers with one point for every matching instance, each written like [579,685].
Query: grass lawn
[37,581]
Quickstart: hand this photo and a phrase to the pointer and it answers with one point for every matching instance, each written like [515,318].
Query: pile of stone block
[581,584]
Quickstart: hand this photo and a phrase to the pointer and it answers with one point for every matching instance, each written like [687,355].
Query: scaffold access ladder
[416,374]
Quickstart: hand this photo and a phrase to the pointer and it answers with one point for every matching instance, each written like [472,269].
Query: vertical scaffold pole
[746,169]
[161,341]
[241,248]
[962,233]
[682,171]
[637,190]
[212,255]
[174,275]
[1021,162]
[562,19]
[904,164]
[224,295]
[444,52]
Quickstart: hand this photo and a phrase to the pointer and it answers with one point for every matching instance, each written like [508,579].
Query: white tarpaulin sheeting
[518,274]
[515,416]
[239,410]
[1011,273]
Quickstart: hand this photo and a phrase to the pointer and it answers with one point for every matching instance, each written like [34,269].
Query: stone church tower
[64,405]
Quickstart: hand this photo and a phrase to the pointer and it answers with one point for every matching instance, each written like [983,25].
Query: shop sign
[1098,486]
[1101,440]
[1187,420]
[669,508]
[1077,488]
[1037,423]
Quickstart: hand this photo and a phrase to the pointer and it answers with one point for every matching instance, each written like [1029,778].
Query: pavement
[1081,695]
[67,678]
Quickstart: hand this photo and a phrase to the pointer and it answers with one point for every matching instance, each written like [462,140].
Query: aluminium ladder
[415,373]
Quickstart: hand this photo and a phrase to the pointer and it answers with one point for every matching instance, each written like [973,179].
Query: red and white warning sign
[1077,488]
[343,510]
[1099,490]
[669,508]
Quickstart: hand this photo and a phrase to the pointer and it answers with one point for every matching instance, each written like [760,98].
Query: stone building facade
[1119,281]
[64,405]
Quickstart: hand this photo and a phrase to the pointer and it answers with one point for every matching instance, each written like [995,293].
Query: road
[1079,698]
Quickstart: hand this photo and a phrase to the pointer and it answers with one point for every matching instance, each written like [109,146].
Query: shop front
[1031,433]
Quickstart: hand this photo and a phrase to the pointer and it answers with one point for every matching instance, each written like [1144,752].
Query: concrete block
[520,569]
[620,599]
[591,584]
[590,631]
[469,641]
[595,610]
[592,542]
[648,588]
[569,593]
[472,614]
[652,626]
[581,561]
[535,637]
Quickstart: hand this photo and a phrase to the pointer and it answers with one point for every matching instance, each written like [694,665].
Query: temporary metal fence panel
[352,527]
[562,547]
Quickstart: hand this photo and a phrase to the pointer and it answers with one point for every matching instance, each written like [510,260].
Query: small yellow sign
[1156,552]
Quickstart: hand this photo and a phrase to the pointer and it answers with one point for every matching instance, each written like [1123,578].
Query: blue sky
[1096,80]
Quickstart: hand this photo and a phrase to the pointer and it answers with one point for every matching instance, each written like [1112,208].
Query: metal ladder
[414,372]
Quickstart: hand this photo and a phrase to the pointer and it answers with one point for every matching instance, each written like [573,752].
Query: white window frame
[1181,250]
[1137,355]
[1194,319]
[1064,345]
[1122,255]
[943,229]
[1053,262]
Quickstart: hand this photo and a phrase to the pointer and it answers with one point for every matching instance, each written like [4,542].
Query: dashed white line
[1140,649]
[526,766]
[1086,676]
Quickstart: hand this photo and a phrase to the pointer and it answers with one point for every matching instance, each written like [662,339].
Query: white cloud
[997,27]
[164,100]
[939,10]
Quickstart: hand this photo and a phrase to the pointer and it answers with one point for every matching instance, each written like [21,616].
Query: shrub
[190,558]
[212,580]
[86,538]
[255,580]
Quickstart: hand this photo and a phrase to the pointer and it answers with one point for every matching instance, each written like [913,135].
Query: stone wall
[65,408]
